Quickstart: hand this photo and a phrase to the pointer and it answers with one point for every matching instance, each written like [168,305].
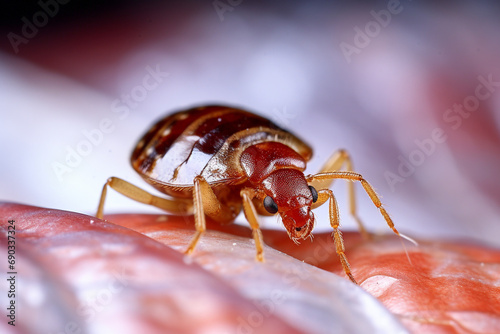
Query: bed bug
[216,160]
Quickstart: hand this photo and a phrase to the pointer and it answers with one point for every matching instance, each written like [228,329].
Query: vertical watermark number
[11,273]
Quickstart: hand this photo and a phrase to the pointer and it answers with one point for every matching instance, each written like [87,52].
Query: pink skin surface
[125,274]
[448,287]
[80,274]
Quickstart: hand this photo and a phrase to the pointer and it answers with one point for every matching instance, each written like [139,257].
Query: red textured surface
[449,287]
[93,276]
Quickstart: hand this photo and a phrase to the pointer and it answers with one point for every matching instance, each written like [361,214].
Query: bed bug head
[289,195]
[277,171]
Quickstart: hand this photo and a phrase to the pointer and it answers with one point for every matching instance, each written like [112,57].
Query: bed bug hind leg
[179,206]
[336,162]
[247,195]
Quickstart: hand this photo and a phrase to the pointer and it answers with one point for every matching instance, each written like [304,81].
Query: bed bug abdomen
[205,141]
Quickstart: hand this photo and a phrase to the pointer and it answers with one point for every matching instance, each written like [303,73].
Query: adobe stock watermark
[282,116]
[90,307]
[453,116]
[265,308]
[223,6]
[363,37]
[121,107]
[292,280]
[31,26]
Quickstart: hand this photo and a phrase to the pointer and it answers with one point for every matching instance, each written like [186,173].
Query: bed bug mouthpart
[217,160]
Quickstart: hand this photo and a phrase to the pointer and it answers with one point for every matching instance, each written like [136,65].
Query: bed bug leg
[338,160]
[199,213]
[250,213]
[206,203]
[135,193]
[351,176]
[323,196]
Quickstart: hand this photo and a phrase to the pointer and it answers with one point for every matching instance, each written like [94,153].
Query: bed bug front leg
[205,202]
[368,188]
[247,195]
[339,159]
[326,178]
[135,193]
[333,211]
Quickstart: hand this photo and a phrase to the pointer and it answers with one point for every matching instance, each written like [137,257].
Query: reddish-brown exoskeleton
[216,160]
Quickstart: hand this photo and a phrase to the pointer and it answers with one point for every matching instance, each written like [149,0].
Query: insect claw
[260,257]
[311,236]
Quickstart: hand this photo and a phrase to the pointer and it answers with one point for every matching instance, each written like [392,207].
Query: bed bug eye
[270,205]
[314,194]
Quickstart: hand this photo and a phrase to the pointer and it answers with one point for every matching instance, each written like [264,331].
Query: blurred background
[410,89]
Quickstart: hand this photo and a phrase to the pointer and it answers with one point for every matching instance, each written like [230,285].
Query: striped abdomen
[205,141]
